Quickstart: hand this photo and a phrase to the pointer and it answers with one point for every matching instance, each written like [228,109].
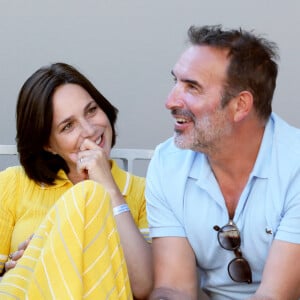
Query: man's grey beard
[206,134]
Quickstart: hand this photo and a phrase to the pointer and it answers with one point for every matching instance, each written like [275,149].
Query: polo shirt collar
[262,167]
[60,181]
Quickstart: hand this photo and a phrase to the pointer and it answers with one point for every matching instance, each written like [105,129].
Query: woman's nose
[87,129]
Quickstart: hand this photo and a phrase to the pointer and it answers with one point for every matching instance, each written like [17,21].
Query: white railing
[127,156]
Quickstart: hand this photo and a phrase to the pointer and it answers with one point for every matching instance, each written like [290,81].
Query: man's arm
[281,276]
[175,273]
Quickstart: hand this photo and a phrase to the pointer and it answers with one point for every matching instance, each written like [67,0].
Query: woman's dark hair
[34,114]
[252,63]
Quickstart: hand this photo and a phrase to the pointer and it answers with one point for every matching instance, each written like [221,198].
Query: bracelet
[120,209]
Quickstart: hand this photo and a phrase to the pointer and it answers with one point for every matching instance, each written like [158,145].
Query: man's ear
[243,105]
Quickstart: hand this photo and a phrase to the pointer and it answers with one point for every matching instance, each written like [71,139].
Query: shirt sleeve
[7,212]
[289,227]
[162,219]
[137,203]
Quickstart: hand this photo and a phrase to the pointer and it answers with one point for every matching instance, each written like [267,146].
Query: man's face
[195,100]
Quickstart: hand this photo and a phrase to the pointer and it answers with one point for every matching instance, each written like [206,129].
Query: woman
[63,193]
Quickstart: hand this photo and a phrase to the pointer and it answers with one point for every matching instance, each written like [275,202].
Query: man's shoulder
[283,126]
[286,135]
[169,158]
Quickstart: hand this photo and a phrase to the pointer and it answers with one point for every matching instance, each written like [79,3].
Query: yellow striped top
[24,204]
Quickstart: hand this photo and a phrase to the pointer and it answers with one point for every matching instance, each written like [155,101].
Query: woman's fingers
[16,255]
[88,144]
[24,244]
[13,258]
[10,264]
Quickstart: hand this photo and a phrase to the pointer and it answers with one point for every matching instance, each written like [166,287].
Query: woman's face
[76,117]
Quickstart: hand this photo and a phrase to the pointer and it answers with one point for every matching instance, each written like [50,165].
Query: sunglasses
[229,238]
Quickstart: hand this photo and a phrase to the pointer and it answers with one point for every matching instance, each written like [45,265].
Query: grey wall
[128,47]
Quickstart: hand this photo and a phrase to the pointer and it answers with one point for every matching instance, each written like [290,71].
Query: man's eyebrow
[189,81]
[193,82]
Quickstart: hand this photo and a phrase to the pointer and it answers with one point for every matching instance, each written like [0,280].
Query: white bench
[126,155]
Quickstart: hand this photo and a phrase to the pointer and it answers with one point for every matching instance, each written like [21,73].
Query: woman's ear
[48,149]
[243,105]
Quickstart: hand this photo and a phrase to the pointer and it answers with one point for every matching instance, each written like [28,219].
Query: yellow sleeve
[137,203]
[8,191]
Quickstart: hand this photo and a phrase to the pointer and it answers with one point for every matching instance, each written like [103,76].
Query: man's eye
[192,87]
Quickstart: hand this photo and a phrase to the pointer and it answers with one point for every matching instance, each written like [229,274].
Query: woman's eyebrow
[67,120]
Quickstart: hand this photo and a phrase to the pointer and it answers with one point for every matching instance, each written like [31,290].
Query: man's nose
[175,98]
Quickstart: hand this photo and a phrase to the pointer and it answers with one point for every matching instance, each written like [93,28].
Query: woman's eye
[92,109]
[67,127]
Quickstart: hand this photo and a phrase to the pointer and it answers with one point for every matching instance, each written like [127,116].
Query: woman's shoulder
[138,183]
[11,183]
[14,176]
[138,179]
[14,171]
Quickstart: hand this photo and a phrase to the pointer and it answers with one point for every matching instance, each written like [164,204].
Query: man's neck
[233,165]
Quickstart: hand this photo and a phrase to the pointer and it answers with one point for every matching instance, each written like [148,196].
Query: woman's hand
[15,256]
[94,161]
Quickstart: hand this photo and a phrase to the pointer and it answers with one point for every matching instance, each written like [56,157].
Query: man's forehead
[205,53]
[198,59]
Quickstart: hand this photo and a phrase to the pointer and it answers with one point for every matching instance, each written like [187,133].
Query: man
[223,195]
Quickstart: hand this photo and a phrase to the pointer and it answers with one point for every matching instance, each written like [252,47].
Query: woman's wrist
[117,210]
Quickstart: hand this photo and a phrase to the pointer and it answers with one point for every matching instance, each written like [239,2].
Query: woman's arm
[137,254]
[136,249]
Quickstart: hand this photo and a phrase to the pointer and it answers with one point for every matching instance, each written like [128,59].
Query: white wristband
[120,209]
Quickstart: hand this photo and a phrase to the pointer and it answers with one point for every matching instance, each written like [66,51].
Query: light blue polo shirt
[184,199]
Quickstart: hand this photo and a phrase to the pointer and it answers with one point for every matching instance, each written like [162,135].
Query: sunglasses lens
[239,270]
[229,237]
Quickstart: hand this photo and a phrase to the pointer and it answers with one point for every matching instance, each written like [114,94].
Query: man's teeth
[180,120]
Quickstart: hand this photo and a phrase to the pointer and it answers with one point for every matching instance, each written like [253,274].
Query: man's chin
[181,143]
